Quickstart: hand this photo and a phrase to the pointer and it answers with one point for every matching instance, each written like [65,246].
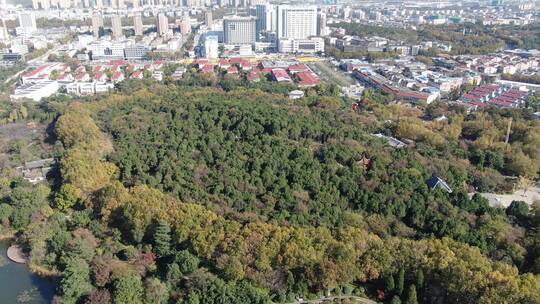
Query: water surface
[19,285]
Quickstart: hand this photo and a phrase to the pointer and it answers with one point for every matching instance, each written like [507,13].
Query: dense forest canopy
[189,194]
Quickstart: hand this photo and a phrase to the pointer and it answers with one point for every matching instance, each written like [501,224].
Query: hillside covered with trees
[177,194]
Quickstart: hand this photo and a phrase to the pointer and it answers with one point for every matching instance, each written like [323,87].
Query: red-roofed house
[307,79]
[237,60]
[297,68]
[201,62]
[65,77]
[100,77]
[148,67]
[34,75]
[137,75]
[501,103]
[232,70]
[224,63]
[117,77]
[207,69]
[130,68]
[35,72]
[116,68]
[119,62]
[254,76]
[495,95]
[157,65]
[98,68]
[80,69]
[63,68]
[246,66]
[280,75]
[478,104]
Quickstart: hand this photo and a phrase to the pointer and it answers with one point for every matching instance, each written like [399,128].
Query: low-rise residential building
[296,94]
[117,77]
[495,95]
[307,79]
[374,80]
[308,45]
[36,171]
[136,51]
[104,50]
[44,72]
[88,88]
[35,91]
[280,75]
[178,73]
[157,75]
[137,75]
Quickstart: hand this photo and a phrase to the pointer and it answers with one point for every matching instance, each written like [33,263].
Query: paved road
[29,64]
[15,75]
[357,299]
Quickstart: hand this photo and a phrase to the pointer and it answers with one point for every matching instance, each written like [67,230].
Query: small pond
[19,285]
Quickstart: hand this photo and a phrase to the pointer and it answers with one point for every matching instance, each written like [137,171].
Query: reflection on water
[18,285]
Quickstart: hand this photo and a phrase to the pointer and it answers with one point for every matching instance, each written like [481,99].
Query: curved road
[317,301]
[29,64]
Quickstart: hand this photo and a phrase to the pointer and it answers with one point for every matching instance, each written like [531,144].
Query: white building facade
[35,91]
[239,30]
[106,50]
[309,45]
[211,47]
[296,22]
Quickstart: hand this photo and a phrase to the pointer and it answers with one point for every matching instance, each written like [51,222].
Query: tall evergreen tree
[75,281]
[420,278]
[411,297]
[162,239]
[389,284]
[128,289]
[395,300]
[400,282]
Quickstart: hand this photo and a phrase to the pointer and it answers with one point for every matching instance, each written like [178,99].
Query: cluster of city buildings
[133,28]
[119,39]
[275,28]
[410,80]
[509,62]
[124,4]
[101,46]
[351,43]
[27,38]
[372,79]
[407,13]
